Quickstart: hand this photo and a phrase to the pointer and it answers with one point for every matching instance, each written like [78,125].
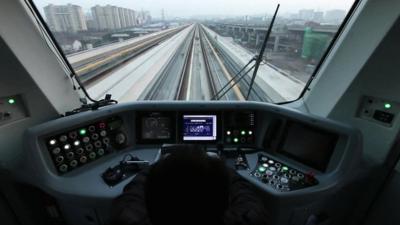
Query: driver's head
[187,187]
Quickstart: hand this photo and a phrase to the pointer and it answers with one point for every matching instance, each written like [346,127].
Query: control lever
[126,168]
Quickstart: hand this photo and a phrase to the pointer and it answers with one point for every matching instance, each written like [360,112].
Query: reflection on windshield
[189,50]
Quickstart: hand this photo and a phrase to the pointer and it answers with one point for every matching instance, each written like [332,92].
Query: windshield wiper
[258,59]
[73,76]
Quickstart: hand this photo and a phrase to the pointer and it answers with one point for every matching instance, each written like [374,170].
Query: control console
[280,176]
[84,144]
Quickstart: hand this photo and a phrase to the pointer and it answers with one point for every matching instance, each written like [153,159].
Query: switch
[382,116]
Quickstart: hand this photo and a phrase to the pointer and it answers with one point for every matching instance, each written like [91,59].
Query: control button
[73,163]
[300,175]
[92,128]
[272,168]
[100,152]
[287,175]
[261,169]
[235,132]
[63,168]
[67,147]
[92,155]
[279,186]
[285,168]
[243,140]
[228,132]
[250,132]
[257,174]
[89,147]
[56,151]
[265,165]
[106,140]
[250,139]
[94,136]
[83,159]
[82,132]
[284,180]
[86,139]
[120,138]
[98,144]
[63,138]
[269,173]
[236,140]
[228,140]
[264,159]
[271,161]
[59,159]
[292,171]
[103,133]
[278,165]
[276,177]
[102,125]
[73,135]
[53,142]
[77,143]
[70,155]
[79,151]
[243,132]
[272,182]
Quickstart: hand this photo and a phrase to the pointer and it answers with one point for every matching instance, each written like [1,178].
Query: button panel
[281,177]
[87,143]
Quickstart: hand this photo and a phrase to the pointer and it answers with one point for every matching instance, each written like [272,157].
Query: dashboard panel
[284,153]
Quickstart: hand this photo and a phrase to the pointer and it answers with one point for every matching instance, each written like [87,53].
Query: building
[112,17]
[306,14]
[318,17]
[335,16]
[65,18]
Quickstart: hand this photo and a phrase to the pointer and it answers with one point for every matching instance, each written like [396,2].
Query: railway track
[95,67]
[195,72]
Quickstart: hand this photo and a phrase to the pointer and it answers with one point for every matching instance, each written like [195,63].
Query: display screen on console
[308,145]
[156,127]
[199,127]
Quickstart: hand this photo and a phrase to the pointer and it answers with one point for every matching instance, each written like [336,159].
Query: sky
[189,8]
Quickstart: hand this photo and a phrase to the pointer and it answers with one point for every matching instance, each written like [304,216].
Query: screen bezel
[303,161]
[205,113]
[139,117]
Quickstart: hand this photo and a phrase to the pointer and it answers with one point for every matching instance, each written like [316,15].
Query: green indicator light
[250,132]
[11,101]
[388,106]
[236,140]
[243,132]
[261,169]
[82,131]
[284,168]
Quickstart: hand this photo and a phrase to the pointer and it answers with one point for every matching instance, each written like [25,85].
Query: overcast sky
[188,8]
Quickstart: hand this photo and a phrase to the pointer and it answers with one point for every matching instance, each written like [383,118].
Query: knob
[120,139]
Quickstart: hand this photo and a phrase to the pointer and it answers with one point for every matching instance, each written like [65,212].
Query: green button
[261,169]
[236,140]
[82,132]
[285,168]
[243,132]
[388,106]
[11,101]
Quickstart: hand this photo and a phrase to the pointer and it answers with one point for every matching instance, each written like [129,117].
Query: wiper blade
[258,59]
[262,50]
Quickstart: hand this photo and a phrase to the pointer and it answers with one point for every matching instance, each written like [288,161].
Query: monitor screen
[310,146]
[156,127]
[199,127]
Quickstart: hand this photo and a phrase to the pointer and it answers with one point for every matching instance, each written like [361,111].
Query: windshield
[194,50]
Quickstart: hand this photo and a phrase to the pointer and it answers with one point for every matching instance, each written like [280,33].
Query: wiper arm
[257,59]
[218,95]
[260,56]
